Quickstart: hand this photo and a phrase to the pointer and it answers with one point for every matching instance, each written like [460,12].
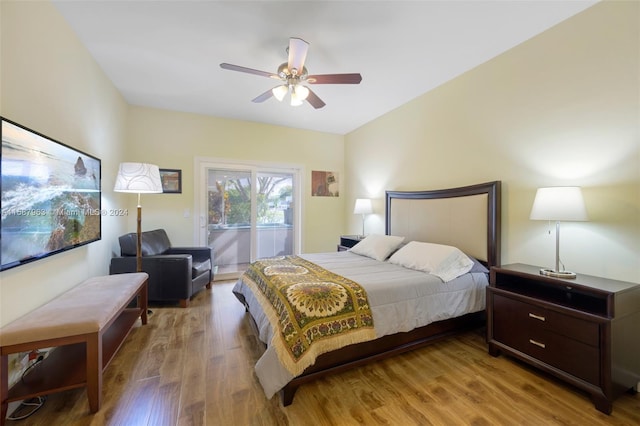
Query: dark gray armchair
[175,273]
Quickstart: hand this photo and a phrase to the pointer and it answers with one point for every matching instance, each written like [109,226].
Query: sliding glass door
[274,220]
[250,214]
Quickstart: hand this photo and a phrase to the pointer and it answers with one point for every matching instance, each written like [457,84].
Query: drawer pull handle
[538,317]
[541,345]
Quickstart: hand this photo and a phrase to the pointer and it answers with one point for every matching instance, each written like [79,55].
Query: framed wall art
[324,184]
[171,181]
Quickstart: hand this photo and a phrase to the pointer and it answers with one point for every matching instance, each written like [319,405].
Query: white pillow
[443,261]
[377,246]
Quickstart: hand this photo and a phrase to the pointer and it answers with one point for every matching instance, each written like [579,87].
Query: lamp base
[557,274]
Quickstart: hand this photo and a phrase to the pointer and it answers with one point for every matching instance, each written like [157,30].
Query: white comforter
[401,299]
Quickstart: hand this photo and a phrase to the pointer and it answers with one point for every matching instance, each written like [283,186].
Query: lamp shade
[302,92]
[298,94]
[139,178]
[363,206]
[560,203]
[279,92]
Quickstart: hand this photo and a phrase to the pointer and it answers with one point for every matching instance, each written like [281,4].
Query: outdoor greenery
[230,202]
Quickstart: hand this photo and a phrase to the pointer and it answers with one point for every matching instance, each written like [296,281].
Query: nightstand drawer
[571,356]
[568,355]
[515,314]
[534,331]
[574,328]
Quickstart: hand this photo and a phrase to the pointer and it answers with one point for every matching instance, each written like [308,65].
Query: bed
[402,308]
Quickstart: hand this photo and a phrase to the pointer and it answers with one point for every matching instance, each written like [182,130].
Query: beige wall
[173,140]
[560,109]
[50,83]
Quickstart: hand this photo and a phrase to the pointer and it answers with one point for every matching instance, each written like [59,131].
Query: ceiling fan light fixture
[298,94]
[295,101]
[279,92]
[293,74]
[301,91]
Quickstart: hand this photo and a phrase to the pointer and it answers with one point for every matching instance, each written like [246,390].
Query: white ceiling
[166,54]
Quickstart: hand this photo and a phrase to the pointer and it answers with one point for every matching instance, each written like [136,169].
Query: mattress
[401,299]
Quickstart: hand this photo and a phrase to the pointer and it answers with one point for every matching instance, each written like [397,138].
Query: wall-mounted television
[51,200]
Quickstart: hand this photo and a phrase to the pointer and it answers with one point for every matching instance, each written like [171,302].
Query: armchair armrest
[169,274]
[199,254]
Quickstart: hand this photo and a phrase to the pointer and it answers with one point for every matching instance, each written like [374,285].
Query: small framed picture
[324,184]
[171,181]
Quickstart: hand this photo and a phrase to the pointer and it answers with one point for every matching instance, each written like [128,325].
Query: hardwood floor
[194,366]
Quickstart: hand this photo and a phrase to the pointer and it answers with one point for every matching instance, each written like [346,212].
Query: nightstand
[348,241]
[585,331]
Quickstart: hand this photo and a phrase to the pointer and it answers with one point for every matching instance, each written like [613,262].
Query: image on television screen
[50,196]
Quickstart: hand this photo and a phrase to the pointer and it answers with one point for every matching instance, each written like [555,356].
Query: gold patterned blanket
[312,310]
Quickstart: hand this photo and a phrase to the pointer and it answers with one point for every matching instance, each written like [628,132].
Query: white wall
[50,83]
[562,108]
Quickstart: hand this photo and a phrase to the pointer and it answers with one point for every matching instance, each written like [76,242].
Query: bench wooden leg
[184,303]
[94,372]
[143,302]
[4,386]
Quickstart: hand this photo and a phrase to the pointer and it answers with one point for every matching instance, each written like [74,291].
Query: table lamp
[560,203]
[363,207]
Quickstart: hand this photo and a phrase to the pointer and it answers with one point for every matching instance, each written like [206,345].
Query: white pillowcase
[443,261]
[377,246]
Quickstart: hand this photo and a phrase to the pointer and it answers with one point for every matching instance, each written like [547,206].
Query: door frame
[201,164]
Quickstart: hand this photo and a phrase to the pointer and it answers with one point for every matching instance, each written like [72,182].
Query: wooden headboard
[467,217]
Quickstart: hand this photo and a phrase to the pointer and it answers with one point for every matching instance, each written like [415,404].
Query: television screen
[50,196]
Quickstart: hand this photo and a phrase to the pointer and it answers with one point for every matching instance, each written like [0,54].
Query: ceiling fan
[293,74]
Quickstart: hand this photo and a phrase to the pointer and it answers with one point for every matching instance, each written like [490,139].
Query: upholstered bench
[85,325]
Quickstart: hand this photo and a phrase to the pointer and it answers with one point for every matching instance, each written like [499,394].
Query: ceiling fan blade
[297,53]
[354,78]
[232,67]
[263,97]
[314,100]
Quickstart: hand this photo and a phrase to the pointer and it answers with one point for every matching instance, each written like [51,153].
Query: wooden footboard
[375,350]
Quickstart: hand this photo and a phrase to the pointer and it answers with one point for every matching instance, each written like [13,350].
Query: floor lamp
[558,203]
[138,178]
